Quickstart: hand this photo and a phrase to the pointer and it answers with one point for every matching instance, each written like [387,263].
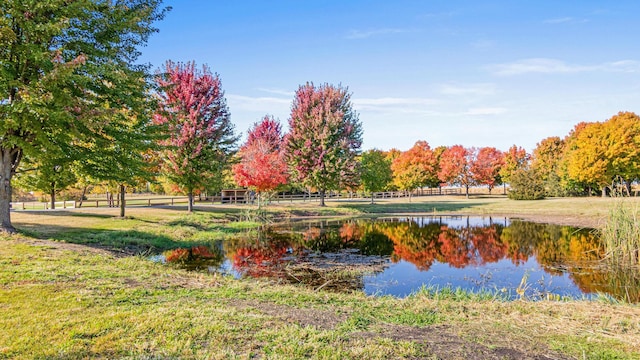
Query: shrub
[526,184]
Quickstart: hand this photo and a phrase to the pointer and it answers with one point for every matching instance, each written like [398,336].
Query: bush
[526,184]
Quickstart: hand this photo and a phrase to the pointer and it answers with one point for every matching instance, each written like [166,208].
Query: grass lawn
[70,289]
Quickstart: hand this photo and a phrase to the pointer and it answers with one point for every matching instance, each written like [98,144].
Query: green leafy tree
[375,170]
[545,160]
[324,139]
[65,68]
[515,158]
[50,176]
[526,184]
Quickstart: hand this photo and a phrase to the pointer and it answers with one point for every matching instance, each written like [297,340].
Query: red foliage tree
[486,167]
[262,165]
[193,108]
[455,167]
[325,138]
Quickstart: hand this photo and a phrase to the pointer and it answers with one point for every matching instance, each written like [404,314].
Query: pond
[399,256]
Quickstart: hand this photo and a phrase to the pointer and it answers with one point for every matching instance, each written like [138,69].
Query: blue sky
[476,73]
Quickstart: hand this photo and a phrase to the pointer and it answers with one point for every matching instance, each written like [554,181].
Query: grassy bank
[66,293]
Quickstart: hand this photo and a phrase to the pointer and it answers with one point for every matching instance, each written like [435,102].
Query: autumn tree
[568,183]
[324,139]
[65,65]
[415,168]
[262,165]
[201,139]
[515,158]
[486,167]
[375,170]
[455,167]
[545,160]
[601,151]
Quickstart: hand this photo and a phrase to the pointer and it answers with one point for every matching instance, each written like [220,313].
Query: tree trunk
[84,192]
[604,191]
[53,195]
[259,199]
[466,188]
[122,204]
[9,160]
[190,202]
[504,188]
[372,198]
[322,198]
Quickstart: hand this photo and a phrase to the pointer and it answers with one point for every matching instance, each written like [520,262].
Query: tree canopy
[66,69]
[376,171]
[262,165]
[324,139]
[201,138]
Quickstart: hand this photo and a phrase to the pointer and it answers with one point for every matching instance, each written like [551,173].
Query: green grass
[63,301]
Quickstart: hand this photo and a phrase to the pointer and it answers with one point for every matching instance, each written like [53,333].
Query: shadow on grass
[127,241]
[65,213]
[418,207]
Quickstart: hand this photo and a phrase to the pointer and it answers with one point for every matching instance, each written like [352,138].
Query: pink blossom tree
[325,138]
[200,134]
[262,165]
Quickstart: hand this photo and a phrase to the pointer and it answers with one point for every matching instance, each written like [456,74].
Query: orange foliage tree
[415,167]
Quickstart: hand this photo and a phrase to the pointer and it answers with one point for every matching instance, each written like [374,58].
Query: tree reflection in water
[325,253]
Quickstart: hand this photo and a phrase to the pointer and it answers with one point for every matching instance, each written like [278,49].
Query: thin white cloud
[486,111]
[483,44]
[277,91]
[552,66]
[392,101]
[565,20]
[268,105]
[481,89]
[558,20]
[364,34]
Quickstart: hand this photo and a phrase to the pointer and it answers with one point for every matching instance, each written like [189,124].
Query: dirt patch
[321,319]
[82,249]
[441,342]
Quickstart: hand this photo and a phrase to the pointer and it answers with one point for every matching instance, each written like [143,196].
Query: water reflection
[397,256]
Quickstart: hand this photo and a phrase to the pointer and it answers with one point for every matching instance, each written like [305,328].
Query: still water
[399,256]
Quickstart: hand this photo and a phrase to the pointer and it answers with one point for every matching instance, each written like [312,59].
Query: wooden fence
[229,199]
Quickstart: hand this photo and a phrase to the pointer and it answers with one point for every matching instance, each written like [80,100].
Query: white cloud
[395,105]
[486,111]
[483,44]
[277,91]
[552,66]
[391,101]
[364,34]
[267,105]
[558,20]
[565,20]
[468,89]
